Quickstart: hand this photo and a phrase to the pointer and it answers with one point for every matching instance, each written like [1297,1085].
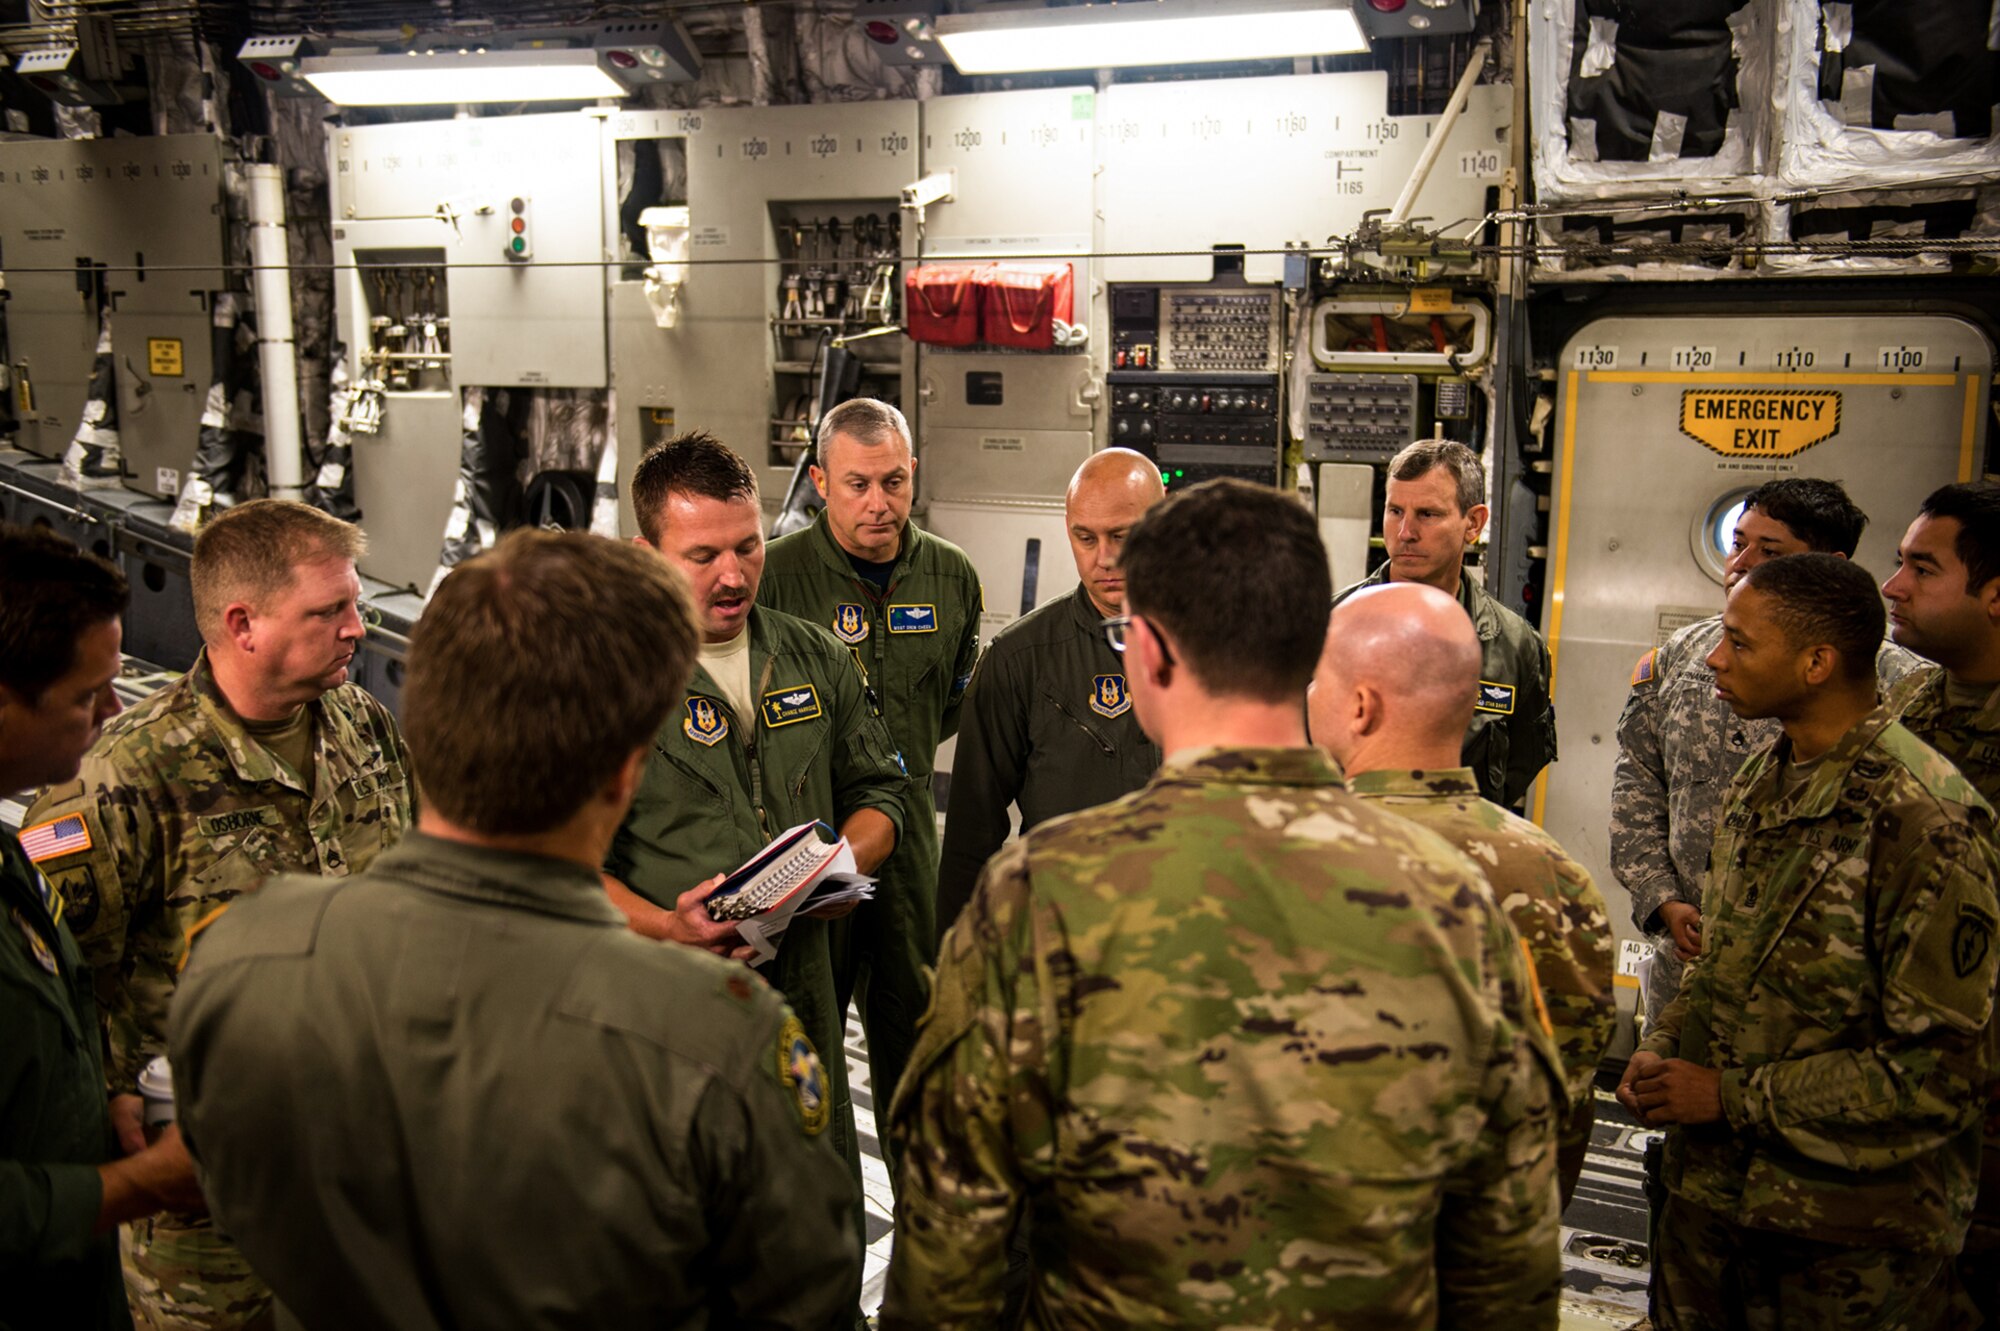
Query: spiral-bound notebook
[809,867]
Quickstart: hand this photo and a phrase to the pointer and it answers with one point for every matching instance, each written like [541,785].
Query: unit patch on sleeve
[1495,698]
[38,946]
[800,1071]
[56,838]
[783,707]
[706,722]
[913,619]
[1109,696]
[75,890]
[1643,672]
[850,623]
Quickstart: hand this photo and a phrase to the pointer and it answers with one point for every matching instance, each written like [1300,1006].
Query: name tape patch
[784,707]
[1495,698]
[913,619]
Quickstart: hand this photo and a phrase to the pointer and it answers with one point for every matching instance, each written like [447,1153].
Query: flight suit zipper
[1076,721]
[750,748]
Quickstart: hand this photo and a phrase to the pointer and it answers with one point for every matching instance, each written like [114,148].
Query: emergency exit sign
[1759,422]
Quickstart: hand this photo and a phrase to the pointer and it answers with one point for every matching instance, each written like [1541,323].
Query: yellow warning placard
[163,358]
[1430,300]
[1759,422]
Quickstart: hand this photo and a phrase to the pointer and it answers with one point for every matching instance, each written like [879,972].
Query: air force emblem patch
[1109,697]
[799,1069]
[706,722]
[913,619]
[786,706]
[850,623]
[1495,698]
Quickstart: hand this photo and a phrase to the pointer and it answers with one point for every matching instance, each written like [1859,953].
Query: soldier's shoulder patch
[1971,939]
[66,834]
[706,722]
[1495,698]
[913,619]
[74,888]
[1109,696]
[784,707]
[1643,672]
[850,622]
[800,1070]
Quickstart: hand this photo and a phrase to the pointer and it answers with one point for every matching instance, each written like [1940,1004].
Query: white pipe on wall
[271,281]
[1408,198]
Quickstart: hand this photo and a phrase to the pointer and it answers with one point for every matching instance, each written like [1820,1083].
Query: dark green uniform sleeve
[961,675]
[1533,737]
[785,1252]
[986,776]
[47,1212]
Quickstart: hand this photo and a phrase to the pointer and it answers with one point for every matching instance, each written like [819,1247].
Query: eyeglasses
[1116,627]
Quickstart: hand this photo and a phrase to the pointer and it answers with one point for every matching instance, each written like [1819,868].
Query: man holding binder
[775,730]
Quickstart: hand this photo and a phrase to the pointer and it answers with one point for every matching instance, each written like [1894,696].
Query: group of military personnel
[1273,1013]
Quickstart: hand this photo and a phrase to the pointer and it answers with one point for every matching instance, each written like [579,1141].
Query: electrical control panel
[1359,417]
[1195,328]
[1198,426]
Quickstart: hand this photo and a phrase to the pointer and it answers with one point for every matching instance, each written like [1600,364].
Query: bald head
[1109,492]
[1398,679]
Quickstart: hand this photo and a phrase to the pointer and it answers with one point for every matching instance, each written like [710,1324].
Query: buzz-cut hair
[1822,598]
[252,553]
[1816,511]
[51,593]
[865,420]
[1976,508]
[695,463]
[1468,477]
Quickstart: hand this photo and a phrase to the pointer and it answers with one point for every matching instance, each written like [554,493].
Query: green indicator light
[520,245]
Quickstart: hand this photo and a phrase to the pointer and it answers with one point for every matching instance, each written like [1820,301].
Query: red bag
[1023,301]
[941,303]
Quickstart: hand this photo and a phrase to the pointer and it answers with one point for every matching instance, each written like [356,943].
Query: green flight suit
[717,791]
[1513,732]
[1048,724]
[916,644]
[455,1091]
[55,1127]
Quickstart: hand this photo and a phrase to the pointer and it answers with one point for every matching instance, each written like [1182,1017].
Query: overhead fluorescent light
[1149,32]
[444,77]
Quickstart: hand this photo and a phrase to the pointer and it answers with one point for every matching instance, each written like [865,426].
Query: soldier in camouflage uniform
[1434,509]
[262,759]
[1390,701]
[1944,603]
[1818,1073]
[1679,746]
[1249,1051]
[906,603]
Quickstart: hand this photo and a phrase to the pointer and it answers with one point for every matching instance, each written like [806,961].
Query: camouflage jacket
[181,810]
[1678,748]
[1969,736]
[1513,732]
[1249,1052]
[1843,988]
[1557,910]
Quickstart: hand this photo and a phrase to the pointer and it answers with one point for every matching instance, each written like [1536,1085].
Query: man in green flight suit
[907,604]
[774,730]
[1434,508]
[1944,604]
[1048,722]
[64,1184]
[455,1090]
[1252,1051]
[264,758]
[1821,1072]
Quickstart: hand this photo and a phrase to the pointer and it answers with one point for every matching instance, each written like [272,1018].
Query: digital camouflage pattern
[1843,989]
[185,811]
[1048,724]
[1250,1052]
[1513,732]
[916,643]
[1679,747]
[1553,904]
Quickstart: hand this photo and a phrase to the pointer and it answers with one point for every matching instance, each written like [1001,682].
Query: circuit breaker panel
[1194,378]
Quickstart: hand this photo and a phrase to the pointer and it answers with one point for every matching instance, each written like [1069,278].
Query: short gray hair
[1419,458]
[865,420]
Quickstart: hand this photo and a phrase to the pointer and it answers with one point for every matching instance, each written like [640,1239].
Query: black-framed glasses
[1117,626]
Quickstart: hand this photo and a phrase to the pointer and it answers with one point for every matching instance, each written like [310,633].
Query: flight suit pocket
[1061,729]
[237,860]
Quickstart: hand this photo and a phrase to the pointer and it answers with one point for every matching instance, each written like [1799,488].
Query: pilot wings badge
[706,722]
[1109,697]
[850,623]
[784,707]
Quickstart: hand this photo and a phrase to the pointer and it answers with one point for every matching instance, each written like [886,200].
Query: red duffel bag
[941,303]
[1023,302]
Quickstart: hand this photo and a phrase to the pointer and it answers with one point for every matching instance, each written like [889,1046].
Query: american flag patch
[56,837]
